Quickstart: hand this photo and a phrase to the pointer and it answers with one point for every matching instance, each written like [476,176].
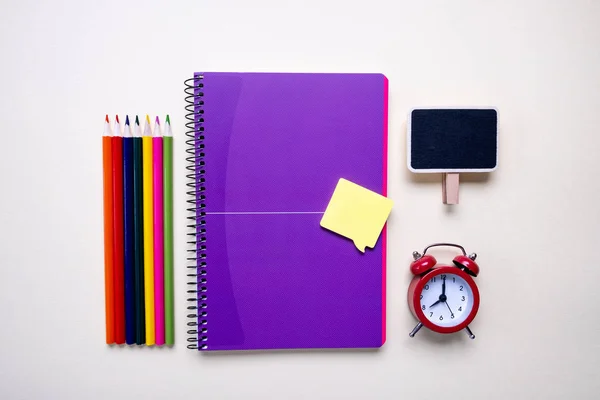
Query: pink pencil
[159,272]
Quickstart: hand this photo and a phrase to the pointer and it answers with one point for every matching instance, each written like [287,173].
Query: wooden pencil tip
[107,118]
[137,120]
[157,121]
[147,118]
[168,120]
[127,120]
[117,118]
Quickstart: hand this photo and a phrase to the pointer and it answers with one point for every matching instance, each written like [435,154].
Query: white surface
[535,222]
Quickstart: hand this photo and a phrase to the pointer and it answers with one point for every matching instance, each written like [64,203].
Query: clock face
[446,300]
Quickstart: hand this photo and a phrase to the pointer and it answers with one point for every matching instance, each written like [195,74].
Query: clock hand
[439,301]
[444,286]
[451,313]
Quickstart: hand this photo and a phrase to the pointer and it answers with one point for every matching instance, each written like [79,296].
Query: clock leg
[469,332]
[415,330]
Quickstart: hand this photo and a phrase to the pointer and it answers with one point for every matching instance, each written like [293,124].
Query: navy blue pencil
[129,229]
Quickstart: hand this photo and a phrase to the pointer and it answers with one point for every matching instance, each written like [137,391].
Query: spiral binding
[196,177]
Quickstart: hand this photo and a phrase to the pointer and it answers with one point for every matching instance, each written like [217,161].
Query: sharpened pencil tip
[127,120]
[107,118]
[117,117]
[147,118]
[168,120]
[157,120]
[137,120]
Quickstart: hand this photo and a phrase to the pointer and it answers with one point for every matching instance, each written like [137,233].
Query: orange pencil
[108,234]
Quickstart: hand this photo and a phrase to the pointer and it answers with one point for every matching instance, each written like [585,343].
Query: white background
[535,222]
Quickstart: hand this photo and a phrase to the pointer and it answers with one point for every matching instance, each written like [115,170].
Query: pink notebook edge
[384,232]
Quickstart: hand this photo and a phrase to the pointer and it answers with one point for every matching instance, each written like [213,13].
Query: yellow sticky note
[356,213]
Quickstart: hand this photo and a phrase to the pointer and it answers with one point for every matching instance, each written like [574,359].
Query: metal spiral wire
[196,260]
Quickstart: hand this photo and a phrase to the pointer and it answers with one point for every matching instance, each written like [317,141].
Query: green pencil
[168,231]
[138,242]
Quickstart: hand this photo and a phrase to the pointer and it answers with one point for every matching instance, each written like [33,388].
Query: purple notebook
[266,152]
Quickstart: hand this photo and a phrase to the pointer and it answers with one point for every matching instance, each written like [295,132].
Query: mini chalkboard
[451,141]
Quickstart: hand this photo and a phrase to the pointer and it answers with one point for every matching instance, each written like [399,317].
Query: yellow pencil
[148,233]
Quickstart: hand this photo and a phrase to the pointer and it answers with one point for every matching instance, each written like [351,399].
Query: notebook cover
[274,146]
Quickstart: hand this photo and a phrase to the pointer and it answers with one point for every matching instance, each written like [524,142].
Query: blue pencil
[129,229]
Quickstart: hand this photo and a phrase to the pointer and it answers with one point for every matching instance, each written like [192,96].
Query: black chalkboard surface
[453,140]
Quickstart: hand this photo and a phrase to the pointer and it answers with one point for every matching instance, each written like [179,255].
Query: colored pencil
[148,233]
[109,283]
[168,231]
[119,285]
[138,222]
[159,271]
[129,230]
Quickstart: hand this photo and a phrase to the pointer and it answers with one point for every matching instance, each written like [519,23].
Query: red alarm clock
[444,298]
